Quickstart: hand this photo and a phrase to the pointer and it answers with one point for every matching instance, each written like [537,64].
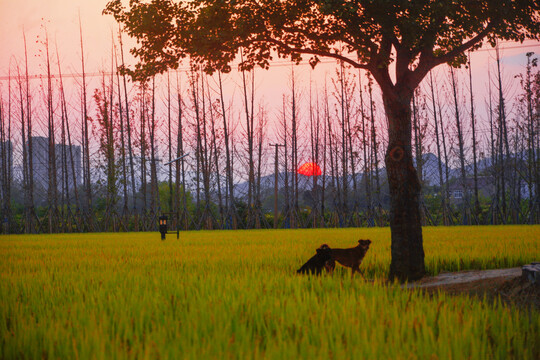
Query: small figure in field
[351,257]
[317,262]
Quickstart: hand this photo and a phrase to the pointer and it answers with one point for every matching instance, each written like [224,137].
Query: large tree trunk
[405,221]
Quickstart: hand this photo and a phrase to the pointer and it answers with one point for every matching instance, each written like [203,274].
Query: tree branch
[290,49]
[465,46]
[428,61]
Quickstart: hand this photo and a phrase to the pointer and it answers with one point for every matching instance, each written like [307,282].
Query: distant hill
[430,170]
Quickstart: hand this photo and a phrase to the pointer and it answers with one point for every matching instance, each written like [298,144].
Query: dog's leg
[330,265]
[356,268]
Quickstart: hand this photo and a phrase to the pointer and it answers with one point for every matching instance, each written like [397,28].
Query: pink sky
[61,17]
[62,21]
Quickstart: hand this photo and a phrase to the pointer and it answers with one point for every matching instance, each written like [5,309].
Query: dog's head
[364,244]
[324,250]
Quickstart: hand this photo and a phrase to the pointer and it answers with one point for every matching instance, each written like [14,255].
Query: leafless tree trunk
[418,137]
[230,202]
[315,138]
[129,137]
[494,159]
[143,145]
[213,109]
[169,143]
[105,134]
[332,153]
[476,210]
[344,149]
[287,206]
[260,138]
[294,153]
[52,187]
[367,171]
[112,161]
[202,152]
[180,170]
[71,167]
[85,141]
[446,161]
[503,141]
[442,181]
[249,101]
[465,203]
[532,124]
[206,157]
[325,116]
[353,155]
[125,208]
[30,209]
[374,154]
[154,199]
[6,161]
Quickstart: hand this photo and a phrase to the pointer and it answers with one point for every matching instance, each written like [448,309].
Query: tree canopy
[416,35]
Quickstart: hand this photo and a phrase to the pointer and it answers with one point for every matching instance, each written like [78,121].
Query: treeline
[88,152]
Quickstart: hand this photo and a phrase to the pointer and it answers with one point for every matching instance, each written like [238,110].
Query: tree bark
[405,221]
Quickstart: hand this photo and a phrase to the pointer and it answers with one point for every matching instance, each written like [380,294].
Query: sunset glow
[272,179]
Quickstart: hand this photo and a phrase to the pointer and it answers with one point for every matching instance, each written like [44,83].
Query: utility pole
[276,184]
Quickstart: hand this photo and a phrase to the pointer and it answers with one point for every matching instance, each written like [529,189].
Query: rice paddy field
[236,294]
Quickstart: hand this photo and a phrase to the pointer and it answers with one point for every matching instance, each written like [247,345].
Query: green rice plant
[236,294]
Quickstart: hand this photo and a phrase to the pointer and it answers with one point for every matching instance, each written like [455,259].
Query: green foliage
[425,32]
[165,197]
[235,294]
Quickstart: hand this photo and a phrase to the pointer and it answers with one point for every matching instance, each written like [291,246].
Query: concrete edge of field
[464,277]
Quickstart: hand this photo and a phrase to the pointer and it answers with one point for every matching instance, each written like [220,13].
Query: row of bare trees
[73,162]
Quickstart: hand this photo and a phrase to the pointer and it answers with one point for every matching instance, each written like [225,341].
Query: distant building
[6,164]
[486,188]
[67,161]
[457,190]
[6,157]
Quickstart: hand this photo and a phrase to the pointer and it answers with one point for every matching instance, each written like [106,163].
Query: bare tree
[230,202]
[502,139]
[6,160]
[315,139]
[260,138]
[69,170]
[418,147]
[30,209]
[442,182]
[213,109]
[461,154]
[123,162]
[105,133]
[154,198]
[143,144]
[85,139]
[249,103]
[374,153]
[294,151]
[52,186]
[129,134]
[476,209]
[367,171]
[181,202]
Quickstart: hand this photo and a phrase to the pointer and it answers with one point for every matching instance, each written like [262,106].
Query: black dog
[318,261]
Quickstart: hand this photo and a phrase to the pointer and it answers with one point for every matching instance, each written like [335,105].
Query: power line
[278,63]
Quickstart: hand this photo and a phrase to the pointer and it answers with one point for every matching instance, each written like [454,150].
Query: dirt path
[507,284]
[465,277]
